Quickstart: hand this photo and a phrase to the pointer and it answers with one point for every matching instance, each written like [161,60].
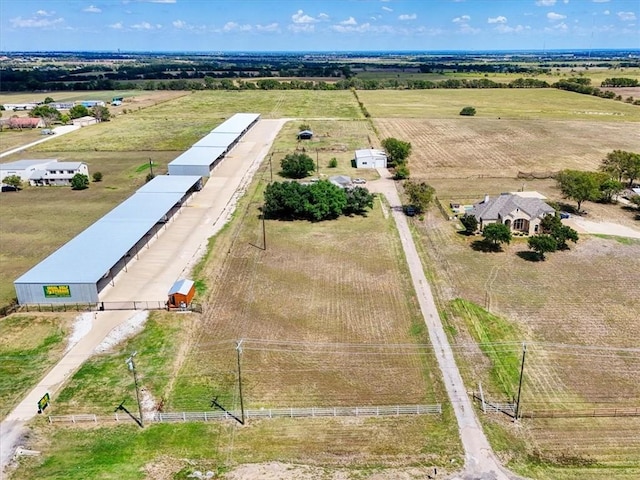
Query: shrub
[401,173]
[468,111]
[97,177]
[333,163]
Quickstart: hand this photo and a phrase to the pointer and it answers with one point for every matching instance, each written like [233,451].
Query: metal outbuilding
[239,123]
[196,161]
[217,139]
[371,158]
[80,269]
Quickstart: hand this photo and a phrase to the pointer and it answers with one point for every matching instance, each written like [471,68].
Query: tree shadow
[464,233]
[529,256]
[485,246]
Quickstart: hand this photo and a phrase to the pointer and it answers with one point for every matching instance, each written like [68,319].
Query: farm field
[476,147]
[512,104]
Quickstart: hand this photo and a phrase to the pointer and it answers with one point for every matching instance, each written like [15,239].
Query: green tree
[420,194]
[578,186]
[79,182]
[469,222]
[13,180]
[78,111]
[552,225]
[621,165]
[397,150]
[304,126]
[97,177]
[100,113]
[48,100]
[542,244]
[468,111]
[64,118]
[359,200]
[297,165]
[609,187]
[325,200]
[497,233]
[401,172]
[47,113]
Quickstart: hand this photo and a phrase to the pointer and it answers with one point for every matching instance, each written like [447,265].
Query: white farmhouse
[23,168]
[58,173]
[371,158]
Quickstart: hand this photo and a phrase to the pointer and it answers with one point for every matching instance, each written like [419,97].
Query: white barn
[371,158]
[23,168]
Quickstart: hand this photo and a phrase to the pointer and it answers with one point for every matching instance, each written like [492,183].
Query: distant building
[91,103]
[371,158]
[520,214]
[19,106]
[24,122]
[84,121]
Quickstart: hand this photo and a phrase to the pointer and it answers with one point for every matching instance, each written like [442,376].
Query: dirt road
[480,461]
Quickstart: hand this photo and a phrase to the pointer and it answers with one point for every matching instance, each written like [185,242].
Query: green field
[510,104]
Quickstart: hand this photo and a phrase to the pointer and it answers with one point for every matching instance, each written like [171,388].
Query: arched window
[520,224]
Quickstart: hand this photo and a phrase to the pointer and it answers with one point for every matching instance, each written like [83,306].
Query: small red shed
[181,294]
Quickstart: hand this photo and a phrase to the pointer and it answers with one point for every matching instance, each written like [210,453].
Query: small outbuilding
[181,294]
[305,135]
[371,158]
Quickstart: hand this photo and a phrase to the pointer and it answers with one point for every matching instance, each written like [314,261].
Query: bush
[401,173]
[468,111]
[97,177]
[79,182]
[333,163]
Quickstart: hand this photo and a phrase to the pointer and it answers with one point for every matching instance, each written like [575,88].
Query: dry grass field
[577,310]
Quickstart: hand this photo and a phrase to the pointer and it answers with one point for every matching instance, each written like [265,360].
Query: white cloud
[145,26]
[158,1]
[498,19]
[546,3]
[40,20]
[406,16]
[606,12]
[236,27]
[600,1]
[92,9]
[323,17]
[272,27]
[301,18]
[117,26]
[508,29]
[461,19]
[626,16]
[349,21]
[302,28]
[554,17]
[387,9]
[179,24]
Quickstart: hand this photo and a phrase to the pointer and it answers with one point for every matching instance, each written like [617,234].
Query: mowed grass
[327,447]
[30,344]
[508,104]
[104,381]
[471,148]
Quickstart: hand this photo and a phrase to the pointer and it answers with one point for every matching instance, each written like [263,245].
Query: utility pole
[151,166]
[132,367]
[239,352]
[524,352]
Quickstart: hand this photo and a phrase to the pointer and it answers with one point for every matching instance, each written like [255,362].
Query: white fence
[371,411]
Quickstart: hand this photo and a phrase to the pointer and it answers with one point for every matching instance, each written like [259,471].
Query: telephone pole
[239,352]
[132,367]
[524,352]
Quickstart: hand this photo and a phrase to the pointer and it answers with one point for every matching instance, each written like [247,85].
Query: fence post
[95,418]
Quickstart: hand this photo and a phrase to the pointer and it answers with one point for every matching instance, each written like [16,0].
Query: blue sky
[330,25]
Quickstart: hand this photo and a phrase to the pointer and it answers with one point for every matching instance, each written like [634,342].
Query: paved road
[59,131]
[150,276]
[480,461]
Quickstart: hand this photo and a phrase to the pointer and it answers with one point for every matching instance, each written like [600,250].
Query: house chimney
[486,198]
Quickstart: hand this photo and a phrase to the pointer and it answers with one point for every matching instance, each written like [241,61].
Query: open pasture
[512,104]
[471,147]
[578,316]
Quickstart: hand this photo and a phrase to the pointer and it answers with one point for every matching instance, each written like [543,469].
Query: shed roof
[23,164]
[170,183]
[63,165]
[90,255]
[182,287]
[503,205]
[238,123]
[217,139]
[199,156]
[370,152]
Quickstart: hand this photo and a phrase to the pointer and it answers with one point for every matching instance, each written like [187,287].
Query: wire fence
[172,417]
